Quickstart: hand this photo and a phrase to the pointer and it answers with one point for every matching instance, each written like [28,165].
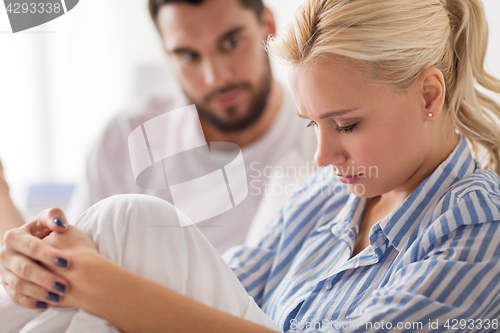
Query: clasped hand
[43,262]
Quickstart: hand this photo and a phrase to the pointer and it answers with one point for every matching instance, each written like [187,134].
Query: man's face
[217,51]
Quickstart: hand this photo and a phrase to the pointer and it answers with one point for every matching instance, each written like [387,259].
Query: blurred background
[61,82]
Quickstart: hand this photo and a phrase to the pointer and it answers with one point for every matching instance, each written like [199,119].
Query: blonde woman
[399,231]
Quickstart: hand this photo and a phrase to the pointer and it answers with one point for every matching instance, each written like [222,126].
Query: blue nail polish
[61,262]
[59,222]
[59,287]
[41,305]
[52,297]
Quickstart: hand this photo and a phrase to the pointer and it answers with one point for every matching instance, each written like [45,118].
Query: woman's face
[365,130]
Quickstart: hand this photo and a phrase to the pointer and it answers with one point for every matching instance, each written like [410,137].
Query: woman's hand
[36,258]
[9,215]
[72,241]
[79,247]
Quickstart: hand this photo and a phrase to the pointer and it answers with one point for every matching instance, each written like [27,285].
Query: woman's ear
[433,90]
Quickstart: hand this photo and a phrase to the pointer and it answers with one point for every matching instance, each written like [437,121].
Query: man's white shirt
[109,172]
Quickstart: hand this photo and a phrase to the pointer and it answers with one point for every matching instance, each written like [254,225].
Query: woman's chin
[359,190]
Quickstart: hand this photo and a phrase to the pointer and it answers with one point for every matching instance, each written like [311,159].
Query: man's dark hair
[154,6]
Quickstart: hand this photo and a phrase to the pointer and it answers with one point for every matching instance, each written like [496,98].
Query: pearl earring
[429,115]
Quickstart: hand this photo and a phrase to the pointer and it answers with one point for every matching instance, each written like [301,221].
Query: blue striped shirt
[432,263]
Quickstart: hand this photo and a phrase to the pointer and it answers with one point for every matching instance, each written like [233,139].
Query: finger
[29,302]
[47,221]
[21,299]
[24,287]
[20,241]
[2,276]
[17,286]
[24,270]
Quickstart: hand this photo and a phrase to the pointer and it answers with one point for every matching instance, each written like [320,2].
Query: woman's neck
[442,148]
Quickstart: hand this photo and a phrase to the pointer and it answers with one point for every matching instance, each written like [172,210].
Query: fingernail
[41,305]
[52,297]
[59,222]
[59,287]
[61,262]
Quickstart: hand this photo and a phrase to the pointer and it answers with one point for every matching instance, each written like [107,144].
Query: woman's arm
[135,304]
[97,285]
[9,215]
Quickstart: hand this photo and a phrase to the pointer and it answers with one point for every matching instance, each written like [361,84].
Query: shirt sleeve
[448,283]
[252,265]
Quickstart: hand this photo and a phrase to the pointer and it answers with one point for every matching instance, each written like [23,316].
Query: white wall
[61,82]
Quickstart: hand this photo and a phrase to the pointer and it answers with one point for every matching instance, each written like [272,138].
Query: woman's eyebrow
[336,113]
[332,113]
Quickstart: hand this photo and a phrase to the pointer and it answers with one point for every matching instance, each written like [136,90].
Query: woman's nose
[329,151]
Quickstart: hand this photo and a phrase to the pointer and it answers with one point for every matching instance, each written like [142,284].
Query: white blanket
[143,234]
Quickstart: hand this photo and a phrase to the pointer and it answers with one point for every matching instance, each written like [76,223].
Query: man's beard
[258,103]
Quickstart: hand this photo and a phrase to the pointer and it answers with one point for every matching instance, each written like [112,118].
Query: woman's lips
[350,179]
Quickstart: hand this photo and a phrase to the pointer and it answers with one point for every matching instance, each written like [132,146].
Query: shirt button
[328,286]
[380,234]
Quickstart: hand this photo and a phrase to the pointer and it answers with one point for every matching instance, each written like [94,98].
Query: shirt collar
[401,222]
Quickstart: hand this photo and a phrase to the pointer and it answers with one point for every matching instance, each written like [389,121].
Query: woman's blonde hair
[398,40]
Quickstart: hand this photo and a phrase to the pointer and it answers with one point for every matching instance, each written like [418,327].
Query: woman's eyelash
[339,129]
[346,129]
